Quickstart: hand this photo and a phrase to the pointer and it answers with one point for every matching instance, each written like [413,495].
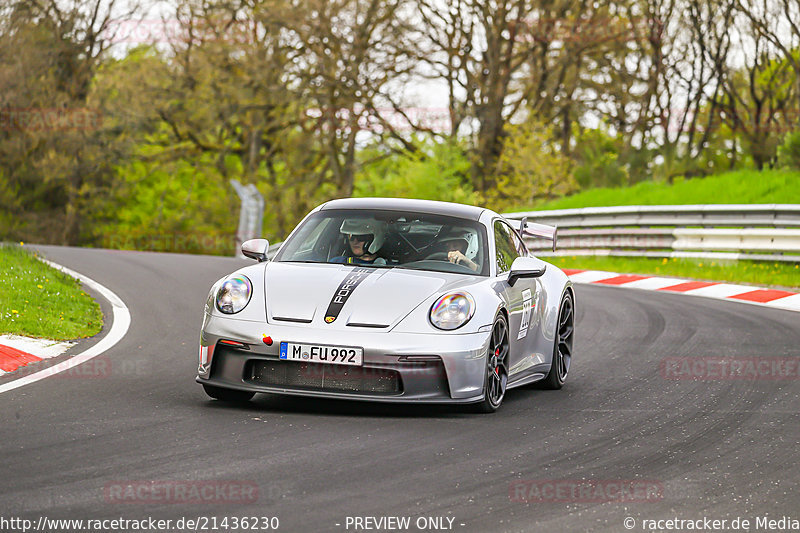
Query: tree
[432,170]
[474,47]
[597,159]
[350,52]
[777,22]
[55,150]
[530,169]
[233,103]
[755,99]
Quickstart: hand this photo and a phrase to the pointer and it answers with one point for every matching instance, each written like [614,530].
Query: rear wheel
[562,346]
[496,375]
[228,395]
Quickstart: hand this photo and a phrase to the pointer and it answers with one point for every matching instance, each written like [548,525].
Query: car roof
[405,204]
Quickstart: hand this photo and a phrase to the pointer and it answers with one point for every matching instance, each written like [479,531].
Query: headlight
[453,310]
[234,294]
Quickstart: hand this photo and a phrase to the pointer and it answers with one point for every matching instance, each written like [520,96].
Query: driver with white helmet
[365,236]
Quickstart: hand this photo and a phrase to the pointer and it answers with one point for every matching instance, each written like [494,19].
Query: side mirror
[526,267]
[256,249]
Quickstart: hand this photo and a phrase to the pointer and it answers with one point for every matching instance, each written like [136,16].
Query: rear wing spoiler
[534,229]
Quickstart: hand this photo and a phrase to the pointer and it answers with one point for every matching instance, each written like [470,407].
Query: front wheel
[228,395]
[562,345]
[496,375]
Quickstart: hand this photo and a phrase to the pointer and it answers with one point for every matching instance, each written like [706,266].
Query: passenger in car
[456,248]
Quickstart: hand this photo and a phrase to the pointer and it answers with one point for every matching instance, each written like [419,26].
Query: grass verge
[740,187]
[37,300]
[763,273]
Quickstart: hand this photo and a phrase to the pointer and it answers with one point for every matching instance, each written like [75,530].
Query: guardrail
[764,232]
[758,232]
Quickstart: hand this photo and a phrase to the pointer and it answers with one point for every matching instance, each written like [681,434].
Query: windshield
[390,239]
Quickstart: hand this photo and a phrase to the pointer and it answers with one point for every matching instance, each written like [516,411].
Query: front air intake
[324,377]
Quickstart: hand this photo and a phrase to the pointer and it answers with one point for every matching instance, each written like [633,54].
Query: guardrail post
[251,214]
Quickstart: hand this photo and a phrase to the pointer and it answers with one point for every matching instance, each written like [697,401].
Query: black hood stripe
[346,288]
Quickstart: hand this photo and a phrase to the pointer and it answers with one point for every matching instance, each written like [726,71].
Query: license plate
[315,353]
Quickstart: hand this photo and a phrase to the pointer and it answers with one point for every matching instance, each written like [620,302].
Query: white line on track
[119,327]
[789,302]
[590,276]
[654,283]
[721,290]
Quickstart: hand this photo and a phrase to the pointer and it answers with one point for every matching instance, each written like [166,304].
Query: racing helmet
[366,226]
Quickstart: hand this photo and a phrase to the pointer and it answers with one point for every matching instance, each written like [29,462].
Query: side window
[507,246]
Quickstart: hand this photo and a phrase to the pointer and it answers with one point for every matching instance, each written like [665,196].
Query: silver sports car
[391,300]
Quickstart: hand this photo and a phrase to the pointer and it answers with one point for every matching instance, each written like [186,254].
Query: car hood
[353,296]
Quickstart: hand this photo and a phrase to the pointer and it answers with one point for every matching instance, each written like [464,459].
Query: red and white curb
[119,327]
[17,351]
[711,289]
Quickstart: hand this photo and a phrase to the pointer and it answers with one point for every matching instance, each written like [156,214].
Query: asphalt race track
[720,448]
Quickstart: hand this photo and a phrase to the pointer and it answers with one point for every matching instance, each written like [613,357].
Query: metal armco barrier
[707,216]
[764,232]
[759,232]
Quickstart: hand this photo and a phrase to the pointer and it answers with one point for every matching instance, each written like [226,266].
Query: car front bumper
[397,367]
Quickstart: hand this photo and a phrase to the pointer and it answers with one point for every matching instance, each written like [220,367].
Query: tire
[562,345]
[228,395]
[496,374]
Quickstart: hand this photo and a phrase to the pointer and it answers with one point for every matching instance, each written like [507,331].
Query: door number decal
[527,308]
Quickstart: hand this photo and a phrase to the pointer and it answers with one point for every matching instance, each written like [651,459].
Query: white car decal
[527,307]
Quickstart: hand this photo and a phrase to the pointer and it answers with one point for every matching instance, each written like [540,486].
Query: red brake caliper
[497,368]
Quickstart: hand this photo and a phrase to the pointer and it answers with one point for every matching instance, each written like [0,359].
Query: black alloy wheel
[562,347]
[496,367]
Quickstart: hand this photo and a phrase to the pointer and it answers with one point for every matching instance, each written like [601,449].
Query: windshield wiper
[331,263]
[365,265]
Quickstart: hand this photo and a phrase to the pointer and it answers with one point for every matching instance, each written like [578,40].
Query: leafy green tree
[55,148]
[174,206]
[531,169]
[432,171]
[789,151]
[348,52]
[597,160]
